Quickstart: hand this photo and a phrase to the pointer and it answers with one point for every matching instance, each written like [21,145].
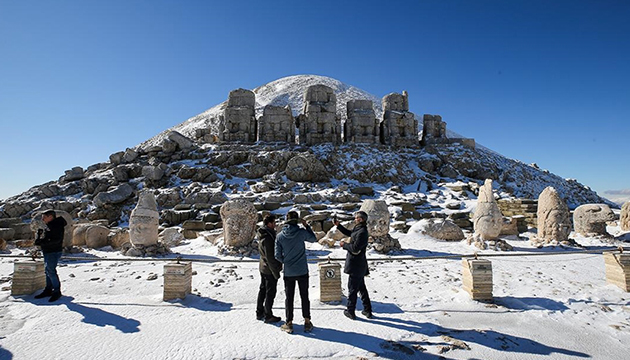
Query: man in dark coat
[356,264]
[52,246]
[269,270]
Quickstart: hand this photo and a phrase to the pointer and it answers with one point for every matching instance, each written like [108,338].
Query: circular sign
[330,273]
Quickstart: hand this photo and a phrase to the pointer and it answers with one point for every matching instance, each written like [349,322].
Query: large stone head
[239,222]
[378,217]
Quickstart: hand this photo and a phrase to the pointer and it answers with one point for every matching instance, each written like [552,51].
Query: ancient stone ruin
[487,220]
[434,132]
[239,222]
[554,219]
[319,122]
[624,218]
[590,219]
[361,125]
[143,223]
[276,125]
[399,127]
[378,226]
[239,117]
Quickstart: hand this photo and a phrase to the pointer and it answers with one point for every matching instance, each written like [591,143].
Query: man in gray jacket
[291,251]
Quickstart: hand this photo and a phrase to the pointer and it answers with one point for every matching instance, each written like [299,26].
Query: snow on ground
[556,307]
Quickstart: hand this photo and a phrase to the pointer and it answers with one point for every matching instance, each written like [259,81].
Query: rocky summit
[196,166]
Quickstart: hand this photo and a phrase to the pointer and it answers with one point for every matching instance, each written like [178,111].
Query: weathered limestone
[399,127]
[182,141]
[114,196]
[7,233]
[378,226]
[433,128]
[239,117]
[362,125]
[306,168]
[487,219]
[329,282]
[96,236]
[477,278]
[527,208]
[28,277]
[276,124]
[554,219]
[171,236]
[144,221]
[618,269]
[76,173]
[624,218]
[443,229]
[239,222]
[590,219]
[319,122]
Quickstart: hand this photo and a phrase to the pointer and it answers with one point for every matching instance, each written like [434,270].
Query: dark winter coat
[53,236]
[290,249]
[356,262]
[268,264]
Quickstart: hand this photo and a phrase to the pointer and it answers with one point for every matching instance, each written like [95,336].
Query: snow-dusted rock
[182,141]
[590,219]
[306,168]
[114,196]
[442,229]
[171,237]
[117,237]
[7,233]
[96,236]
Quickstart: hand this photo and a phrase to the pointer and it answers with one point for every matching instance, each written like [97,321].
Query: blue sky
[538,81]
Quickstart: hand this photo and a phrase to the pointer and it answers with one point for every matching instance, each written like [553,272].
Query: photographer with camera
[52,246]
[356,264]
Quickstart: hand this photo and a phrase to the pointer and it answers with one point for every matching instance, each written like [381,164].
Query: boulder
[183,142]
[7,233]
[554,219]
[239,222]
[96,236]
[306,168]
[115,196]
[79,234]
[117,237]
[442,229]
[154,173]
[129,156]
[590,219]
[3,244]
[171,237]
[76,173]
[624,218]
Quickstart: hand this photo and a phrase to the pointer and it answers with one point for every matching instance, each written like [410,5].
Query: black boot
[55,296]
[46,293]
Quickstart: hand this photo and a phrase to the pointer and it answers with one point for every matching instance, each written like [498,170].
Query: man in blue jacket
[356,264]
[291,251]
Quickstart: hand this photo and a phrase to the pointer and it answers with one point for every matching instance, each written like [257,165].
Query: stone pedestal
[28,277]
[477,278]
[329,282]
[618,269]
[177,280]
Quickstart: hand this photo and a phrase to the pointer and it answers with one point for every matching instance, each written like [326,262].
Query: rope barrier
[475,255]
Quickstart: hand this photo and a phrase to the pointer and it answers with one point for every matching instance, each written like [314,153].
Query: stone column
[477,278]
[329,282]
[28,277]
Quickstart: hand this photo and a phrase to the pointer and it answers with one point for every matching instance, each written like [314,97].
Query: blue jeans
[52,279]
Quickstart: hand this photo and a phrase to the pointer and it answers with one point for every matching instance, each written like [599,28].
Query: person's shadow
[5,354]
[203,303]
[100,317]
[488,338]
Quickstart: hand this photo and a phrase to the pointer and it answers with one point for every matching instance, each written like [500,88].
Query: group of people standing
[286,251]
